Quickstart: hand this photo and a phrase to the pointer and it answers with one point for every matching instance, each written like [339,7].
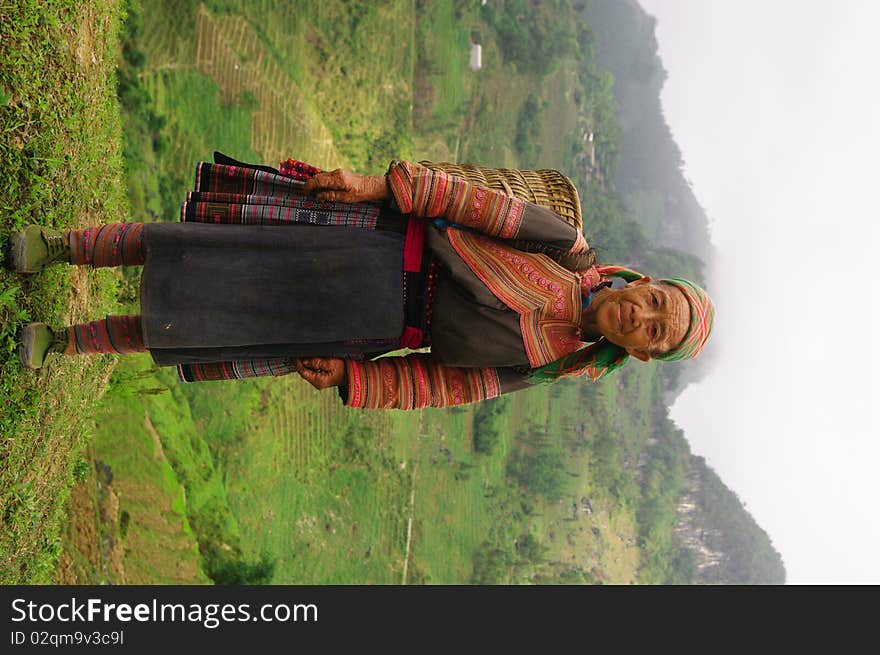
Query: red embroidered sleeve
[434,194]
[415,382]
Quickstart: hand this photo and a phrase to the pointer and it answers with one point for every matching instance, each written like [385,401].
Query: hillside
[649,176]
[61,165]
[270,480]
[729,547]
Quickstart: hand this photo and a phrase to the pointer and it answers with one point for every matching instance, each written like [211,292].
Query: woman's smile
[644,316]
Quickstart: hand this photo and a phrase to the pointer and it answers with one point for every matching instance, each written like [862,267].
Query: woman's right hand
[321,372]
[343,186]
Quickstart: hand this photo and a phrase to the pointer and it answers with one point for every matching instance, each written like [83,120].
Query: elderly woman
[324,273]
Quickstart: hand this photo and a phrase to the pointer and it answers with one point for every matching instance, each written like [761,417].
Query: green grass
[451,506]
[559,125]
[159,544]
[60,160]
[335,518]
[313,73]
[443,81]
[326,515]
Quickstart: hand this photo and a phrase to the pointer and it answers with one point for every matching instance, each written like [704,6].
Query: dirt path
[412,509]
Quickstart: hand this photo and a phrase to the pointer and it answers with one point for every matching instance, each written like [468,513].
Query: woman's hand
[321,372]
[342,186]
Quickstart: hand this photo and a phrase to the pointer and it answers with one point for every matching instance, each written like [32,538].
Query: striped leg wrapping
[115,334]
[112,244]
[236,370]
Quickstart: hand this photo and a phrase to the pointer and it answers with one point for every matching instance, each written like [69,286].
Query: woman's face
[645,317]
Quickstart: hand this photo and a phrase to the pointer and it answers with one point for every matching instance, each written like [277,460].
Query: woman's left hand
[343,186]
[321,372]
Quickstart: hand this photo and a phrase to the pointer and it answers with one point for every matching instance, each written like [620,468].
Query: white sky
[775,105]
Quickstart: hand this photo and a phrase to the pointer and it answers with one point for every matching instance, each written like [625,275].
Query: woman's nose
[646,313]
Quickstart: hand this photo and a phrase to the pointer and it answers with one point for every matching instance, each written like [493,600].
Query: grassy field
[330,514]
[142,530]
[61,164]
[308,488]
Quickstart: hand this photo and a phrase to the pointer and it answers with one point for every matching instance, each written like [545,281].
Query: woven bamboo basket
[544,187]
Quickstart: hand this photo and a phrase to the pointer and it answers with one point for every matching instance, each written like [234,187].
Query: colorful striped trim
[580,243]
[247,196]
[111,244]
[235,370]
[119,335]
[416,382]
[545,295]
[431,194]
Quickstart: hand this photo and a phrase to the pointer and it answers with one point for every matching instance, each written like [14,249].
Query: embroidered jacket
[497,313]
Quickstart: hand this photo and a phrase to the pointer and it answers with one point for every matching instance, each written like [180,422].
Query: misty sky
[775,105]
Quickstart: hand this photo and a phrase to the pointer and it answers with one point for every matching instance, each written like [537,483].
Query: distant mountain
[727,545]
[649,174]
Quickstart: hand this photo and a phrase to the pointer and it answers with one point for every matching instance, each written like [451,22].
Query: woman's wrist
[378,188]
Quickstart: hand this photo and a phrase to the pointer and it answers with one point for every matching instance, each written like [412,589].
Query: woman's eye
[655,300]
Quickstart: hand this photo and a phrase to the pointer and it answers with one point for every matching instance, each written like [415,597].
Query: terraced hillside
[283,122]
